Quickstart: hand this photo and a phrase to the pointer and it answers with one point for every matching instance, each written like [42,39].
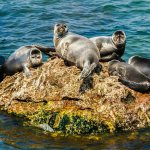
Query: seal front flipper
[104,53]
[26,70]
[109,57]
[46,50]
[140,87]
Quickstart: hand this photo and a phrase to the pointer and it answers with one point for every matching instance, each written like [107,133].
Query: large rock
[51,96]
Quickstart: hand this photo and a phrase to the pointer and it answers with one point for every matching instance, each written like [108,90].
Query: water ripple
[27,22]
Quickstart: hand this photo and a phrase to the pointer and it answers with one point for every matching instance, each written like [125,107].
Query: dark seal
[2,61]
[77,50]
[110,47]
[129,76]
[141,64]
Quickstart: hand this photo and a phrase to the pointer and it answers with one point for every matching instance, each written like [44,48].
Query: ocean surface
[25,22]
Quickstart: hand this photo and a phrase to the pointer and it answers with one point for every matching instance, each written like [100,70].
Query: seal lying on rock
[110,47]
[129,76]
[141,64]
[22,59]
[2,61]
[77,50]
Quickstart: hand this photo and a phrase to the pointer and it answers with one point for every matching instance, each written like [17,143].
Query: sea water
[26,22]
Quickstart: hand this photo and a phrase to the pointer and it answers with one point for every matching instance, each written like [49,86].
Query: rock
[51,96]
[46,127]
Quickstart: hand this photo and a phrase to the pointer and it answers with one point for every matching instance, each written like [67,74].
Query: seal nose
[61,29]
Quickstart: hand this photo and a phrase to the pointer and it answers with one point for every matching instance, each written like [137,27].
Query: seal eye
[65,26]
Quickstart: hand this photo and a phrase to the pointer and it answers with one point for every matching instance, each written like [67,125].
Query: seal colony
[85,54]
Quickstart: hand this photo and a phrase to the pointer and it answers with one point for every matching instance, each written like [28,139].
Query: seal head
[119,38]
[60,29]
[35,57]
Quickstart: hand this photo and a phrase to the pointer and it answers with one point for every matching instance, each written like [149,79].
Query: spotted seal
[129,76]
[110,47]
[76,49]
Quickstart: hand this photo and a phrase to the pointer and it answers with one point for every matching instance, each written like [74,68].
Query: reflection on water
[15,136]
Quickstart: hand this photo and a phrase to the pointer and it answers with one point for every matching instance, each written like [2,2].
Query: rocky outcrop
[51,96]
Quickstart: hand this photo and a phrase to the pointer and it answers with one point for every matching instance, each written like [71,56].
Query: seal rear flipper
[87,70]
[85,73]
[140,87]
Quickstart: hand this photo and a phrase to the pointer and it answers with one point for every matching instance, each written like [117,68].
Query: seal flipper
[87,70]
[46,50]
[26,70]
[140,87]
[109,57]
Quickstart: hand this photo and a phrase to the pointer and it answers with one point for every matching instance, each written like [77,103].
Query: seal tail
[140,87]
[87,70]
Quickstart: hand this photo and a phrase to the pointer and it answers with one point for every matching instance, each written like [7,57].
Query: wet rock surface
[51,96]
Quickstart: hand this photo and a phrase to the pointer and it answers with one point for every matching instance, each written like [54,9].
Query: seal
[110,47]
[2,61]
[141,64]
[76,50]
[22,59]
[129,76]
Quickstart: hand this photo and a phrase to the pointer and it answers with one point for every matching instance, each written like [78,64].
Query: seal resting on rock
[76,50]
[141,64]
[22,59]
[110,47]
[2,61]
[129,76]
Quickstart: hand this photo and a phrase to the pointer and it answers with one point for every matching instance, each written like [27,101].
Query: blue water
[25,22]
[31,21]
